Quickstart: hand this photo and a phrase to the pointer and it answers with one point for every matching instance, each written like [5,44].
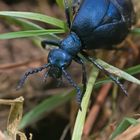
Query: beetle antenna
[29,72]
[93,60]
[78,90]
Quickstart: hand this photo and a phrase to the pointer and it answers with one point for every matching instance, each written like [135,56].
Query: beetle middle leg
[84,75]
[93,60]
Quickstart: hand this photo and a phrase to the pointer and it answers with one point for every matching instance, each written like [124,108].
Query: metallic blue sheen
[97,24]
[71,44]
[100,24]
[59,58]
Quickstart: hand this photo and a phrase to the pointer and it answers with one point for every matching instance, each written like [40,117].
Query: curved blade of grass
[133,70]
[26,25]
[35,16]
[29,33]
[118,72]
[23,23]
[126,122]
[46,106]
[78,128]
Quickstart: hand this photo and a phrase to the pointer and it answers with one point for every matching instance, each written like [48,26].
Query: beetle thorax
[71,44]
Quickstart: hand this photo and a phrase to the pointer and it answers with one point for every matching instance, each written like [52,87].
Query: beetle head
[58,59]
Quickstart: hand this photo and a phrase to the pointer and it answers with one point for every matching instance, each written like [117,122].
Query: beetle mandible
[97,24]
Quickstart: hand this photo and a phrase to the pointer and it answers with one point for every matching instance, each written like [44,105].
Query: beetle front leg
[49,42]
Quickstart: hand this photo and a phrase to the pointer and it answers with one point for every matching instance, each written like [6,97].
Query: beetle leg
[76,2]
[78,90]
[84,75]
[67,13]
[75,5]
[49,42]
[93,60]
[32,71]
[116,4]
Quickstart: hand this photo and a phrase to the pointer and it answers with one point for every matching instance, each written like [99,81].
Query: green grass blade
[26,25]
[60,3]
[126,122]
[78,128]
[35,16]
[118,72]
[29,33]
[136,31]
[46,106]
[133,70]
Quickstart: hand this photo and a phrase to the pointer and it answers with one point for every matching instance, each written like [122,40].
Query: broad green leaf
[29,33]
[78,128]
[46,106]
[126,122]
[35,16]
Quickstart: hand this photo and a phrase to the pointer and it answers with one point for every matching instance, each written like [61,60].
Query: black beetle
[97,24]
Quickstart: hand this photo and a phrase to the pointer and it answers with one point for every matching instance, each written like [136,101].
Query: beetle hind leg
[113,78]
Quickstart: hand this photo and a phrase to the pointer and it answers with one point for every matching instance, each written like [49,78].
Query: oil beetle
[97,24]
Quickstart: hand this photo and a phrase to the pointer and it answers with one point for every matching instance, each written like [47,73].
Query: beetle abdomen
[99,23]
